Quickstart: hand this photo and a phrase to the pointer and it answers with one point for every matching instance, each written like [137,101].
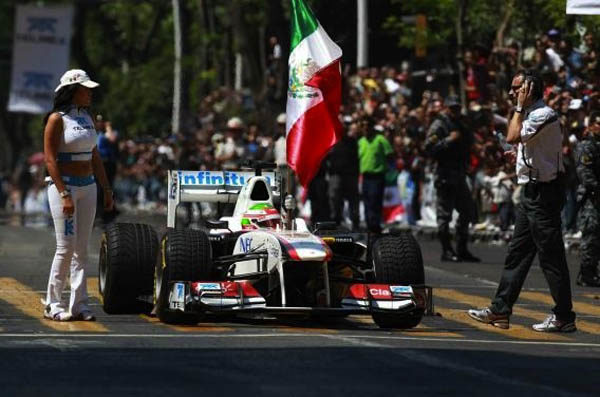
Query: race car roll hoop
[246,262]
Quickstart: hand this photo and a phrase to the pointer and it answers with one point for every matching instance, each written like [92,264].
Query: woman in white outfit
[72,161]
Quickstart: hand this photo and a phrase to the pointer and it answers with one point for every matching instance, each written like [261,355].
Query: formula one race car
[250,263]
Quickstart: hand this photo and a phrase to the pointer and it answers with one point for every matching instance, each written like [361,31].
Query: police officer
[535,128]
[588,199]
[449,142]
[342,171]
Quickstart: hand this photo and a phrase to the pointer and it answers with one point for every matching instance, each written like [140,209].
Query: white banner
[583,7]
[40,56]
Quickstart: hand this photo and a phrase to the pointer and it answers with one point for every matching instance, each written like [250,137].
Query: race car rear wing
[210,186]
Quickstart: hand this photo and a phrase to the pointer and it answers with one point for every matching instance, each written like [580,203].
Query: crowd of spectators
[231,126]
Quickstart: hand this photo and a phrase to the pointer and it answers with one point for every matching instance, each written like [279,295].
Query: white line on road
[296,335]
[453,274]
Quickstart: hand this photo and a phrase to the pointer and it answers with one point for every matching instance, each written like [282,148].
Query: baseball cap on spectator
[379,128]
[235,123]
[216,137]
[451,101]
[281,118]
[553,33]
[575,104]
[76,76]
[347,119]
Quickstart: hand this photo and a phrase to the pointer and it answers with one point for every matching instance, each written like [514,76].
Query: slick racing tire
[185,255]
[398,260]
[126,266]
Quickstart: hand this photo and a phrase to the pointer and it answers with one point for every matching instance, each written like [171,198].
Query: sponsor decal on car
[177,301]
[220,178]
[208,287]
[174,183]
[401,290]
[380,293]
[245,244]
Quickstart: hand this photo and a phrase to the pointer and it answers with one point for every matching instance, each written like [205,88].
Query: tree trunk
[508,12]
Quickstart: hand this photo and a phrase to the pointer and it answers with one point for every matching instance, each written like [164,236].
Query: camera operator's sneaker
[552,324]
[486,315]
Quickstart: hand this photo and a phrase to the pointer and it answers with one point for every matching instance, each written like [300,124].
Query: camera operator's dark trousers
[453,193]
[537,231]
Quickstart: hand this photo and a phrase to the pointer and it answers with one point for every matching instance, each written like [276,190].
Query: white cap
[76,76]
[217,137]
[281,118]
[575,104]
[234,123]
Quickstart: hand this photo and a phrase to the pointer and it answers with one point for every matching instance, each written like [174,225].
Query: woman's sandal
[60,316]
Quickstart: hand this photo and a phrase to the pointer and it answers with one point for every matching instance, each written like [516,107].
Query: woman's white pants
[71,257]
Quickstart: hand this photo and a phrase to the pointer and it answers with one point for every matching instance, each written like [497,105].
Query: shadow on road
[67,368]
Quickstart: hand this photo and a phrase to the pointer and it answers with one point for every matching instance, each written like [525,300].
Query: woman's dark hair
[63,100]
[533,76]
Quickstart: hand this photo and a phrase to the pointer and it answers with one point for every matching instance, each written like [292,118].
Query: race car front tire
[185,256]
[126,266]
[398,260]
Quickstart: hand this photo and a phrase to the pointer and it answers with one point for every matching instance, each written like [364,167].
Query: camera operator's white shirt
[539,154]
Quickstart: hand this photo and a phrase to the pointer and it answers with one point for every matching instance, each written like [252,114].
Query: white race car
[249,262]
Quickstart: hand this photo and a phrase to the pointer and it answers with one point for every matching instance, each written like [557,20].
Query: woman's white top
[79,136]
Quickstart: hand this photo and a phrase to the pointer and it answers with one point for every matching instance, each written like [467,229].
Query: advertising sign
[583,7]
[41,47]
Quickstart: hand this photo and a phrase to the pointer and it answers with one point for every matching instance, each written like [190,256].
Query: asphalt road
[448,354]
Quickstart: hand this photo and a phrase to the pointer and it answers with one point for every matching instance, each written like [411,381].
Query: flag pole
[290,191]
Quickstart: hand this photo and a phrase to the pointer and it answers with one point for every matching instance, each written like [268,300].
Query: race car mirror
[212,224]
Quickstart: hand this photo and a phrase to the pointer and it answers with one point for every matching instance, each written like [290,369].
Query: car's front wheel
[126,263]
[185,255]
[397,260]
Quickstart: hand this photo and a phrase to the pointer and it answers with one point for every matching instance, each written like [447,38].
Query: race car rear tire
[398,260]
[186,255]
[126,266]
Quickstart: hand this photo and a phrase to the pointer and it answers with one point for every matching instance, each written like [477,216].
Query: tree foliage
[128,46]
[483,17]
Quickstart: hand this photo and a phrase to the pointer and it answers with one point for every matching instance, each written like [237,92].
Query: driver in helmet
[261,216]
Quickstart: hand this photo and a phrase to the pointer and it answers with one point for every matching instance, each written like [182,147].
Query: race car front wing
[227,296]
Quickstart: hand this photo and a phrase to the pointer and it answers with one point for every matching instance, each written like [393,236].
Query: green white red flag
[314,94]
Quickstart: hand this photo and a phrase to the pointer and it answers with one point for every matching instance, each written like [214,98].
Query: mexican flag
[314,94]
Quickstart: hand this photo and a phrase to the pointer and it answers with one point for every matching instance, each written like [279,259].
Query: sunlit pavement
[447,354]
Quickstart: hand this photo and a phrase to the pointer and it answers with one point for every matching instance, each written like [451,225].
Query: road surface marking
[592,296]
[421,329]
[200,327]
[578,307]
[301,335]
[92,287]
[308,330]
[27,301]
[515,330]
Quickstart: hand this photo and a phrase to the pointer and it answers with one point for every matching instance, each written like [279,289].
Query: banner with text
[40,56]
[583,7]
